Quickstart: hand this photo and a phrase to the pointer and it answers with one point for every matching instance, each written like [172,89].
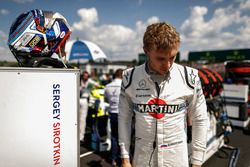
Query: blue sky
[117,26]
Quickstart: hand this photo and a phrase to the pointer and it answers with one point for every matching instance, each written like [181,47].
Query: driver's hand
[126,163]
[196,165]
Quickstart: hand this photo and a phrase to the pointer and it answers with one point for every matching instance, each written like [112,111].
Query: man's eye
[172,58]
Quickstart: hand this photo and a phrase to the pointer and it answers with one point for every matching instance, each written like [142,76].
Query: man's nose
[166,64]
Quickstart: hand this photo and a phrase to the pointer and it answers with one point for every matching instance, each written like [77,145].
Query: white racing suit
[160,117]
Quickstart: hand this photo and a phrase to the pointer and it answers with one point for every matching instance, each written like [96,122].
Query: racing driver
[157,96]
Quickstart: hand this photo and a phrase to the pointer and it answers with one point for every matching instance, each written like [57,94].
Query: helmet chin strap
[61,54]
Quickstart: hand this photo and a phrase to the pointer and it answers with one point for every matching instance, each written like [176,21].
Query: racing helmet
[36,35]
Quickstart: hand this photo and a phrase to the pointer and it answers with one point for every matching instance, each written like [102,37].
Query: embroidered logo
[157,108]
[142,83]
[192,77]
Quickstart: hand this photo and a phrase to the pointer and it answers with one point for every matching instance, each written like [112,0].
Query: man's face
[160,61]
[85,76]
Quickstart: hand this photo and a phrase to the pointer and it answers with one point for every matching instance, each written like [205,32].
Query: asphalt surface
[238,139]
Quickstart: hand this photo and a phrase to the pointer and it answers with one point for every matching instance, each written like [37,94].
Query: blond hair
[161,36]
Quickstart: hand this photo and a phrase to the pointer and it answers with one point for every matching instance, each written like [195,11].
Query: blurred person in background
[86,84]
[105,79]
[111,96]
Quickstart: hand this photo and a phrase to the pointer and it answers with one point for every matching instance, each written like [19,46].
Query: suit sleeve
[125,118]
[198,112]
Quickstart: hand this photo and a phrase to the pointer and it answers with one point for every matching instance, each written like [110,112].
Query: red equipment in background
[211,82]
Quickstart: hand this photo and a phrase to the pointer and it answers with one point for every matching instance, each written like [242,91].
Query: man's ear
[145,50]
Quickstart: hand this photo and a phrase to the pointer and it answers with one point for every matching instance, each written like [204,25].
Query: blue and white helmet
[37,34]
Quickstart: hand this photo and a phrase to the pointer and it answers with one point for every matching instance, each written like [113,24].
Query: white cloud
[245,5]
[244,33]
[5,53]
[4,12]
[88,19]
[195,25]
[22,1]
[117,41]
[3,36]
[228,28]
[216,33]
